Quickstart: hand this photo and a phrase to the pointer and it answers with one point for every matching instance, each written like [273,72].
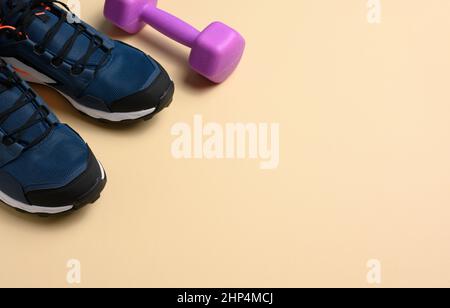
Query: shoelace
[9,80]
[29,10]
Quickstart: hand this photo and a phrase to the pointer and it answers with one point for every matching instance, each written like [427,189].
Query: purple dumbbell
[216,51]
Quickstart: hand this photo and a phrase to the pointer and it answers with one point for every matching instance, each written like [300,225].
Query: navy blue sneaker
[45,167]
[102,78]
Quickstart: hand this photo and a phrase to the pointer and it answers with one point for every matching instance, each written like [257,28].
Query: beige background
[364,172]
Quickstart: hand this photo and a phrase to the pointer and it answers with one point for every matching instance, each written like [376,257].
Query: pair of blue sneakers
[45,167]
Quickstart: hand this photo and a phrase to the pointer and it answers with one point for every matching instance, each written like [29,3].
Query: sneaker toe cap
[82,190]
[156,96]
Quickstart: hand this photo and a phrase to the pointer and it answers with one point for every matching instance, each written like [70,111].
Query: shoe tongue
[43,23]
[8,97]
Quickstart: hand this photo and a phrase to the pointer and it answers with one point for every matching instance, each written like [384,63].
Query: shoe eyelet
[45,109]
[38,50]
[8,141]
[98,41]
[77,70]
[56,62]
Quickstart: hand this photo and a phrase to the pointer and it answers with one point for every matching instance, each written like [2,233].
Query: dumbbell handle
[170,25]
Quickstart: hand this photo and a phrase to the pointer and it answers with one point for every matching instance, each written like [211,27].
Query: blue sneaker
[45,167]
[100,77]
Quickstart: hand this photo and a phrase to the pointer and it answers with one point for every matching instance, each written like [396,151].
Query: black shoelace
[29,10]
[9,80]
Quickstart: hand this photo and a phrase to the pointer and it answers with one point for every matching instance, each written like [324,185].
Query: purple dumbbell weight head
[216,51]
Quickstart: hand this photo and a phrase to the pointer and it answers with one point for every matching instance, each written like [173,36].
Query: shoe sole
[88,198]
[32,76]
[120,117]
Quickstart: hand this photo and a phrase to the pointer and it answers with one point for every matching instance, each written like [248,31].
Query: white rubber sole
[102,115]
[29,74]
[39,209]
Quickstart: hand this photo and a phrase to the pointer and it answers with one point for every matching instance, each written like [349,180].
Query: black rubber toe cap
[82,190]
[157,96]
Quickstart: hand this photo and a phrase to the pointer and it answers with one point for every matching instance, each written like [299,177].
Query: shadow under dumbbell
[191,79]
[197,81]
